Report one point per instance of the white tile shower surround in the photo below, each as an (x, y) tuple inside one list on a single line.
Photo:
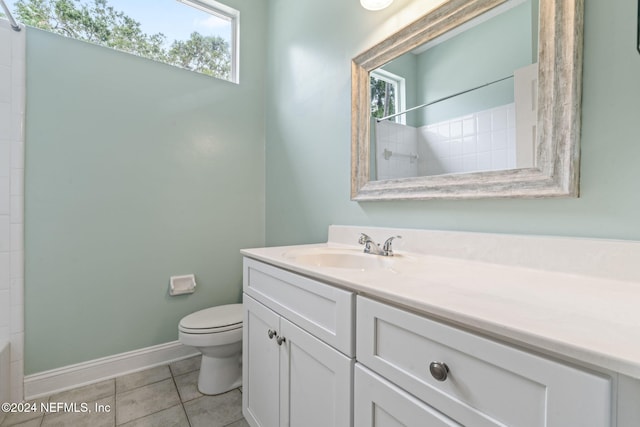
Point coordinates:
[(166, 395), (396, 150), (12, 103), (481, 141)]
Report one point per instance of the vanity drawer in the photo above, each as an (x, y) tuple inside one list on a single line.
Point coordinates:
[(488, 383), (320, 309), (378, 403)]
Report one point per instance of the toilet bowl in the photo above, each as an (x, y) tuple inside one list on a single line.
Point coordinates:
[(217, 333)]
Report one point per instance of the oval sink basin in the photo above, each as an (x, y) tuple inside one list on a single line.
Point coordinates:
[(339, 258)]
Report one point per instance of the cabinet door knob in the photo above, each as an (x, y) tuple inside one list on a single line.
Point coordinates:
[(271, 333), (439, 370), (280, 340)]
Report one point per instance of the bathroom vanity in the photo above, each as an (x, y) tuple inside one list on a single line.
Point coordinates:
[(455, 329)]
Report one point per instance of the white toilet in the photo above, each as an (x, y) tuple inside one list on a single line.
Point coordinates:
[(217, 333)]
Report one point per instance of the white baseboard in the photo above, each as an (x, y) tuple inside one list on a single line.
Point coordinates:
[(72, 376)]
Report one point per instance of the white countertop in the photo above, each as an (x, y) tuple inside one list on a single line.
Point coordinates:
[(583, 317)]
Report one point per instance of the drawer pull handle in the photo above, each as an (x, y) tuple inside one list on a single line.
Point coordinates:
[(439, 370), (280, 340), (271, 333)]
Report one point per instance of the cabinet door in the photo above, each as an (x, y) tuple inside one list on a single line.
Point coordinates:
[(316, 381), (378, 403), (260, 365)]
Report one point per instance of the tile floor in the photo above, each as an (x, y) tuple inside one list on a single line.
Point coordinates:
[(164, 396)]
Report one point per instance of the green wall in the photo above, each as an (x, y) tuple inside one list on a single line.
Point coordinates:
[(477, 56), (406, 66), (135, 171), (308, 131), (480, 55)]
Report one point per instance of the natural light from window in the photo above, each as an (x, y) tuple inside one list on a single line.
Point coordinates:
[(387, 95), (198, 35)]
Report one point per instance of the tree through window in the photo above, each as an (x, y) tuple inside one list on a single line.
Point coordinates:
[(387, 95), (198, 35)]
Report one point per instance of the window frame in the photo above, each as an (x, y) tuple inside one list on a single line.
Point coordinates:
[(400, 84), (227, 13)]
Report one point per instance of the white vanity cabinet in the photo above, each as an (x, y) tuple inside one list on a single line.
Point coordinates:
[(457, 329), (473, 380), (298, 350)]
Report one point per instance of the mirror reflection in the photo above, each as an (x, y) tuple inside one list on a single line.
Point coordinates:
[(463, 102)]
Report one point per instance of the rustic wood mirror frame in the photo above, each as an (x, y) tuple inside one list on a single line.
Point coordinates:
[(556, 171)]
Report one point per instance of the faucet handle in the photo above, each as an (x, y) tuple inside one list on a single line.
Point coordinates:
[(388, 251), (370, 246), (364, 239)]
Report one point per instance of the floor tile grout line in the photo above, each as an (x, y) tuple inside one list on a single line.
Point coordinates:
[(115, 403), (94, 401), (143, 385), (140, 386), (235, 421), (173, 377), (177, 391), (117, 393), (160, 410), (144, 416)]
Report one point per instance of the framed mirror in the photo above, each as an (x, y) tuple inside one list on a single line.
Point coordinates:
[(476, 99)]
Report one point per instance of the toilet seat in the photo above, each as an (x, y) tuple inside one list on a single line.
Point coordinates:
[(213, 320)]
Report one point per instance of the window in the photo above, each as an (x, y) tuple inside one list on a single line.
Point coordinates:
[(387, 95), (198, 35), (227, 20)]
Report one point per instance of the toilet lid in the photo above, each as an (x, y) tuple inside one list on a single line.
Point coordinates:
[(222, 316)]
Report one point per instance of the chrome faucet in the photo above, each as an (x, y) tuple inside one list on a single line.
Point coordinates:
[(386, 248), (371, 247)]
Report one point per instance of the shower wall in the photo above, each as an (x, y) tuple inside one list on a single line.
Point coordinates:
[(481, 141), (477, 142), (396, 150), (12, 108)]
